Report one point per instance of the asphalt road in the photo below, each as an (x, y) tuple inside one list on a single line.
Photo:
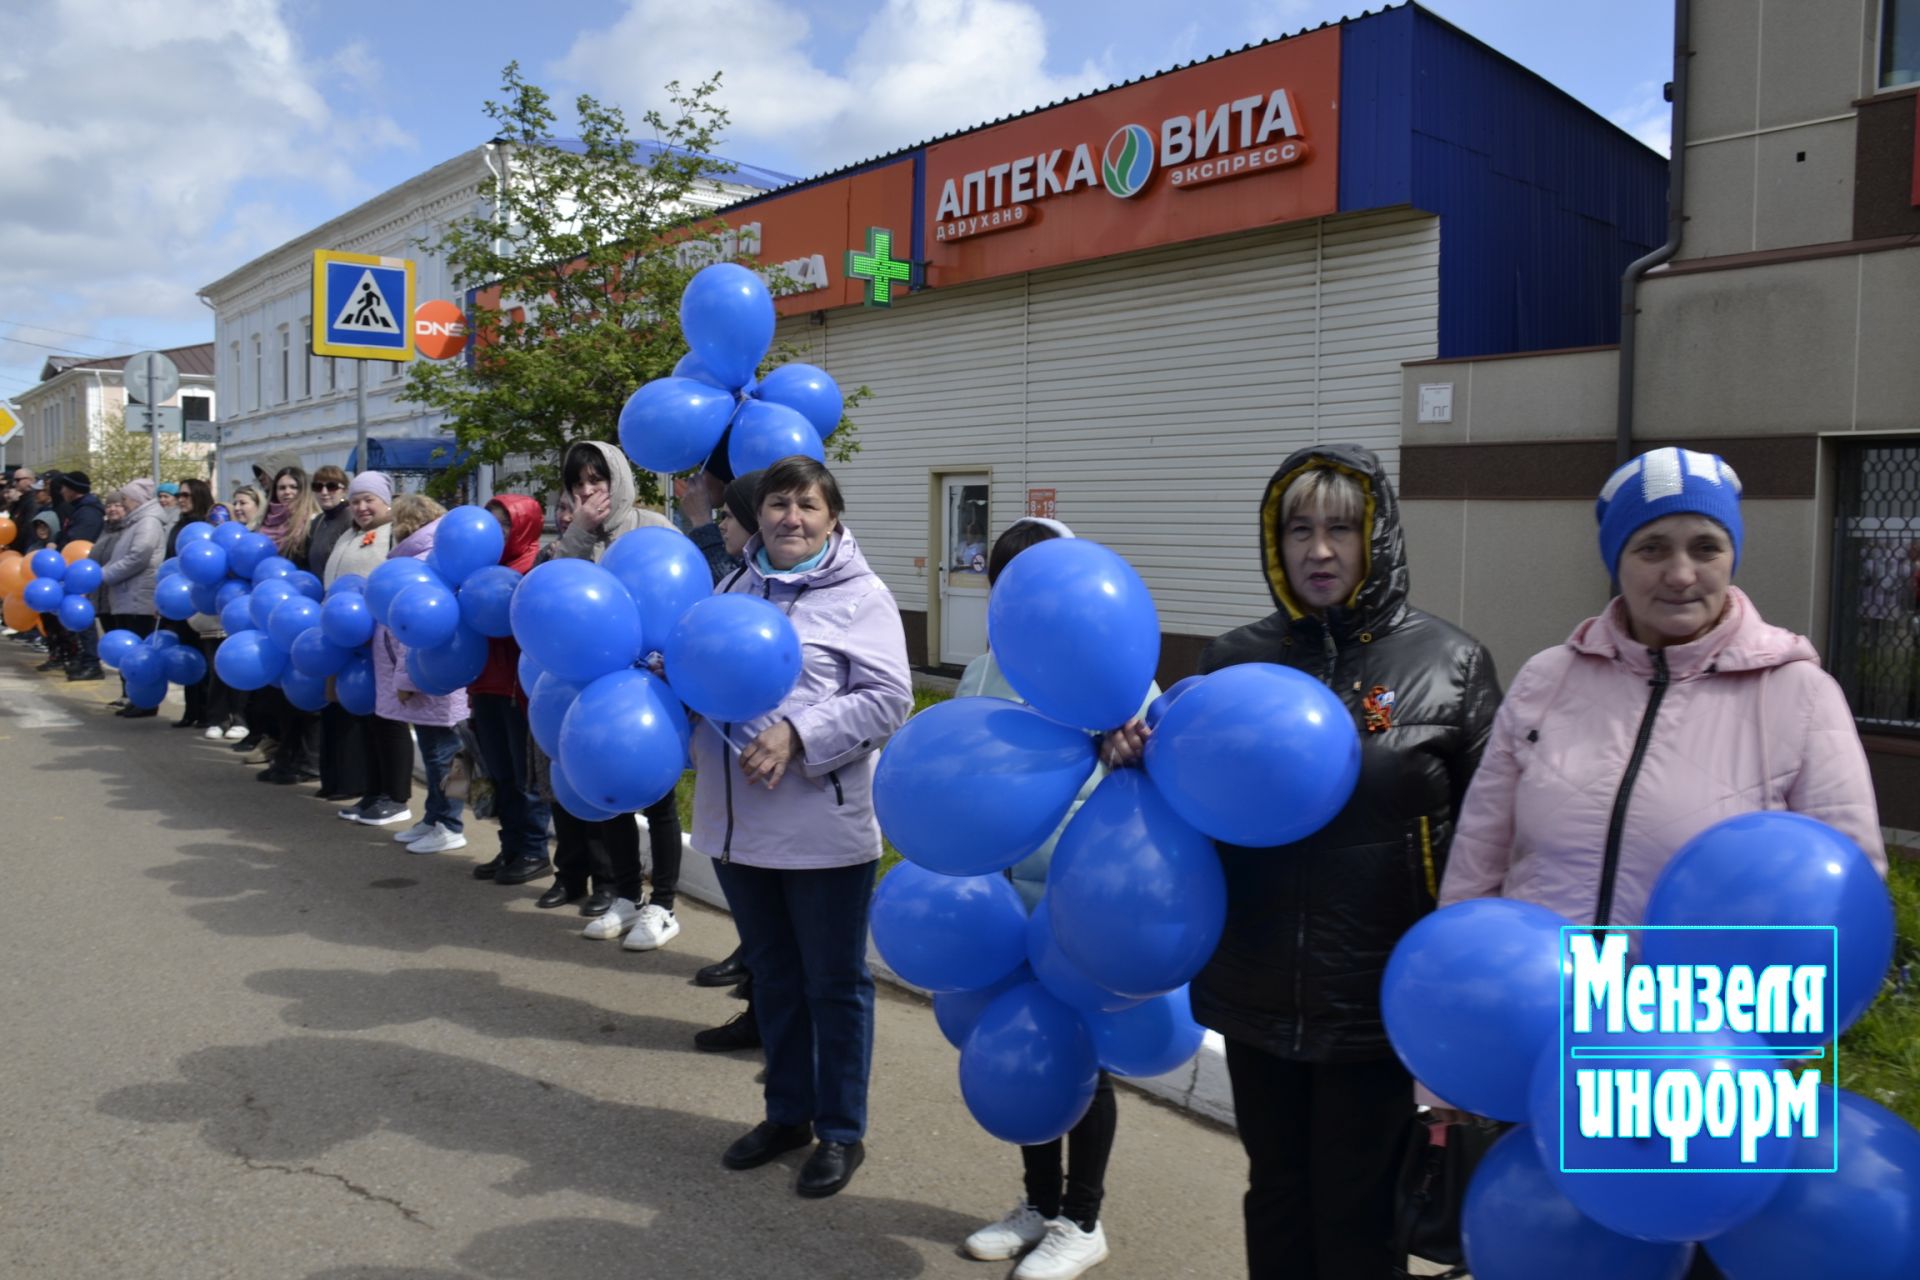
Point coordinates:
[(241, 1038)]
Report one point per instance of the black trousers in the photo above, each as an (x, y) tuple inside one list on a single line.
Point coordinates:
[(1323, 1144), (343, 760), (140, 624), (605, 854), (195, 695), (388, 747), (225, 704), (1088, 1146)]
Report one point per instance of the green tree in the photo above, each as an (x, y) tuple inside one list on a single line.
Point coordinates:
[(124, 455), (590, 250)]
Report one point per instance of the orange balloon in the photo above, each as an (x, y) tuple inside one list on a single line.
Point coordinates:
[(18, 616), (13, 577), (75, 551), (7, 530)]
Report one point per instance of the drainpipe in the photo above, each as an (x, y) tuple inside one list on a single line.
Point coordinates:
[(1676, 217)]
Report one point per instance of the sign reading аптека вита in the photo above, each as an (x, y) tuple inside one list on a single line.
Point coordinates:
[(1712, 1059)]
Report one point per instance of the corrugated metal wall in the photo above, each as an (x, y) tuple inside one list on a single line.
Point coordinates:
[(1544, 203), (1156, 393)]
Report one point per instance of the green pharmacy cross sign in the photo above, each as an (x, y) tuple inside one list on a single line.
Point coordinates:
[(879, 267)]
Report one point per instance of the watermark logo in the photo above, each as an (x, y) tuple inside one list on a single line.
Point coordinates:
[(1127, 162), (1673, 1060)]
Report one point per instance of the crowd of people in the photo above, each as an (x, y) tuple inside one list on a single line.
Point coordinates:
[(1674, 708)]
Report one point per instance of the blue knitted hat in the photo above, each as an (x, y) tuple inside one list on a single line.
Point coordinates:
[(1665, 482)]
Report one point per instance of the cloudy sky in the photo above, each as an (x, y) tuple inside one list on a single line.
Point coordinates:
[(148, 149)]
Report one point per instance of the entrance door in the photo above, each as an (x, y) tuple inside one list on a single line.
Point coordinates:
[(963, 568)]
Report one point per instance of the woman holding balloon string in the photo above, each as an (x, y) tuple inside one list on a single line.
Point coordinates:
[(289, 522), (195, 501), (784, 805), (127, 578), (1321, 1103), (361, 550)]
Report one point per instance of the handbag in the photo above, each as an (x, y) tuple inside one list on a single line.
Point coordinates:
[(1436, 1164)]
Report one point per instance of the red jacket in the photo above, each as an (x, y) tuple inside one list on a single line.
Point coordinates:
[(502, 675)]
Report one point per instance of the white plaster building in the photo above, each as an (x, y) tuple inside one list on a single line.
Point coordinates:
[(68, 411)]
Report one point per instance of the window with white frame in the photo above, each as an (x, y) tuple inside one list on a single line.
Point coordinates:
[(333, 373), (306, 357), (259, 374), (286, 365), (234, 350), (1899, 43)]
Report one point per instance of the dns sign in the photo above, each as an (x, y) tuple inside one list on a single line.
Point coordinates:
[(439, 330)]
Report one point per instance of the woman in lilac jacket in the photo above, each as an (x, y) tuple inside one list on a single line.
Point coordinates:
[(784, 804)]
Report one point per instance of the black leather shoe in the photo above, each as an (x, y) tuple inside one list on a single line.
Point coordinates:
[(136, 713), (52, 664), (766, 1141), (598, 904), (521, 870), (830, 1168), (246, 745), (283, 777), (85, 671), (559, 896), (742, 1031), (722, 973), (188, 722), (486, 870)]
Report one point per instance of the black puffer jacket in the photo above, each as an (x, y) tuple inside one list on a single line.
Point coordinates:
[(1310, 925)]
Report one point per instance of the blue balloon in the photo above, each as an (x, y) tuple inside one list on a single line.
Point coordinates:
[(346, 620), (763, 433), (144, 665), (727, 316), (732, 658), (486, 600), (237, 614), (423, 615), (83, 577), (43, 595), (1470, 998), (548, 702), (161, 639), (307, 692), (390, 579), (664, 573), (1152, 1038), (289, 619), (948, 933), (166, 569), (1158, 707), (195, 531), (808, 391), (116, 645), (248, 660), (469, 539), (1060, 976), (354, 686), (1516, 1225), (247, 551), (569, 798), (1075, 633), (1255, 755), (227, 593), (671, 424), (1774, 868), (147, 694), (956, 1012), (619, 743), (265, 598), (452, 665), (308, 585), (1657, 1204), (689, 366), (228, 536), (205, 596), (1138, 897), (928, 787), (47, 565), (274, 567), (1028, 1069), (1861, 1221), (186, 665), (528, 673), (172, 597), (353, 582), (576, 620), (203, 561), (76, 613), (312, 654)]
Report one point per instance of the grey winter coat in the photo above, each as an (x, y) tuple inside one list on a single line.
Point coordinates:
[(127, 578)]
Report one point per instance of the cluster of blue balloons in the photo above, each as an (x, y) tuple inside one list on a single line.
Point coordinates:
[(62, 589), (1473, 999), (674, 423), (619, 736), (1135, 900), (150, 665)]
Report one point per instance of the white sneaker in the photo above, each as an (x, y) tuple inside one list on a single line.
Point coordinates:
[(414, 832), (618, 919), (439, 840), (655, 928), (1013, 1235), (216, 733), (234, 734), (1065, 1253)]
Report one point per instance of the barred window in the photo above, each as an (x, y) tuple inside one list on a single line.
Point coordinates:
[(1874, 646)]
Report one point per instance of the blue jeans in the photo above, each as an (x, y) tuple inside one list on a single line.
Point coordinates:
[(438, 747), (500, 727), (803, 935)]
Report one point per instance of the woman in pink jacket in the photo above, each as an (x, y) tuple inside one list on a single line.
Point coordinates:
[(1676, 708)]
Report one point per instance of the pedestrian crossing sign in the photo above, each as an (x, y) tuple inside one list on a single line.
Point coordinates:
[(362, 306)]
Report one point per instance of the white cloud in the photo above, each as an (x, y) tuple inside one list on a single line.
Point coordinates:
[(916, 69), (1647, 116), (135, 141)]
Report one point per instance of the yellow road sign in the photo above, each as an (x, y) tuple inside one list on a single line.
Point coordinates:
[(9, 425), (362, 306)]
